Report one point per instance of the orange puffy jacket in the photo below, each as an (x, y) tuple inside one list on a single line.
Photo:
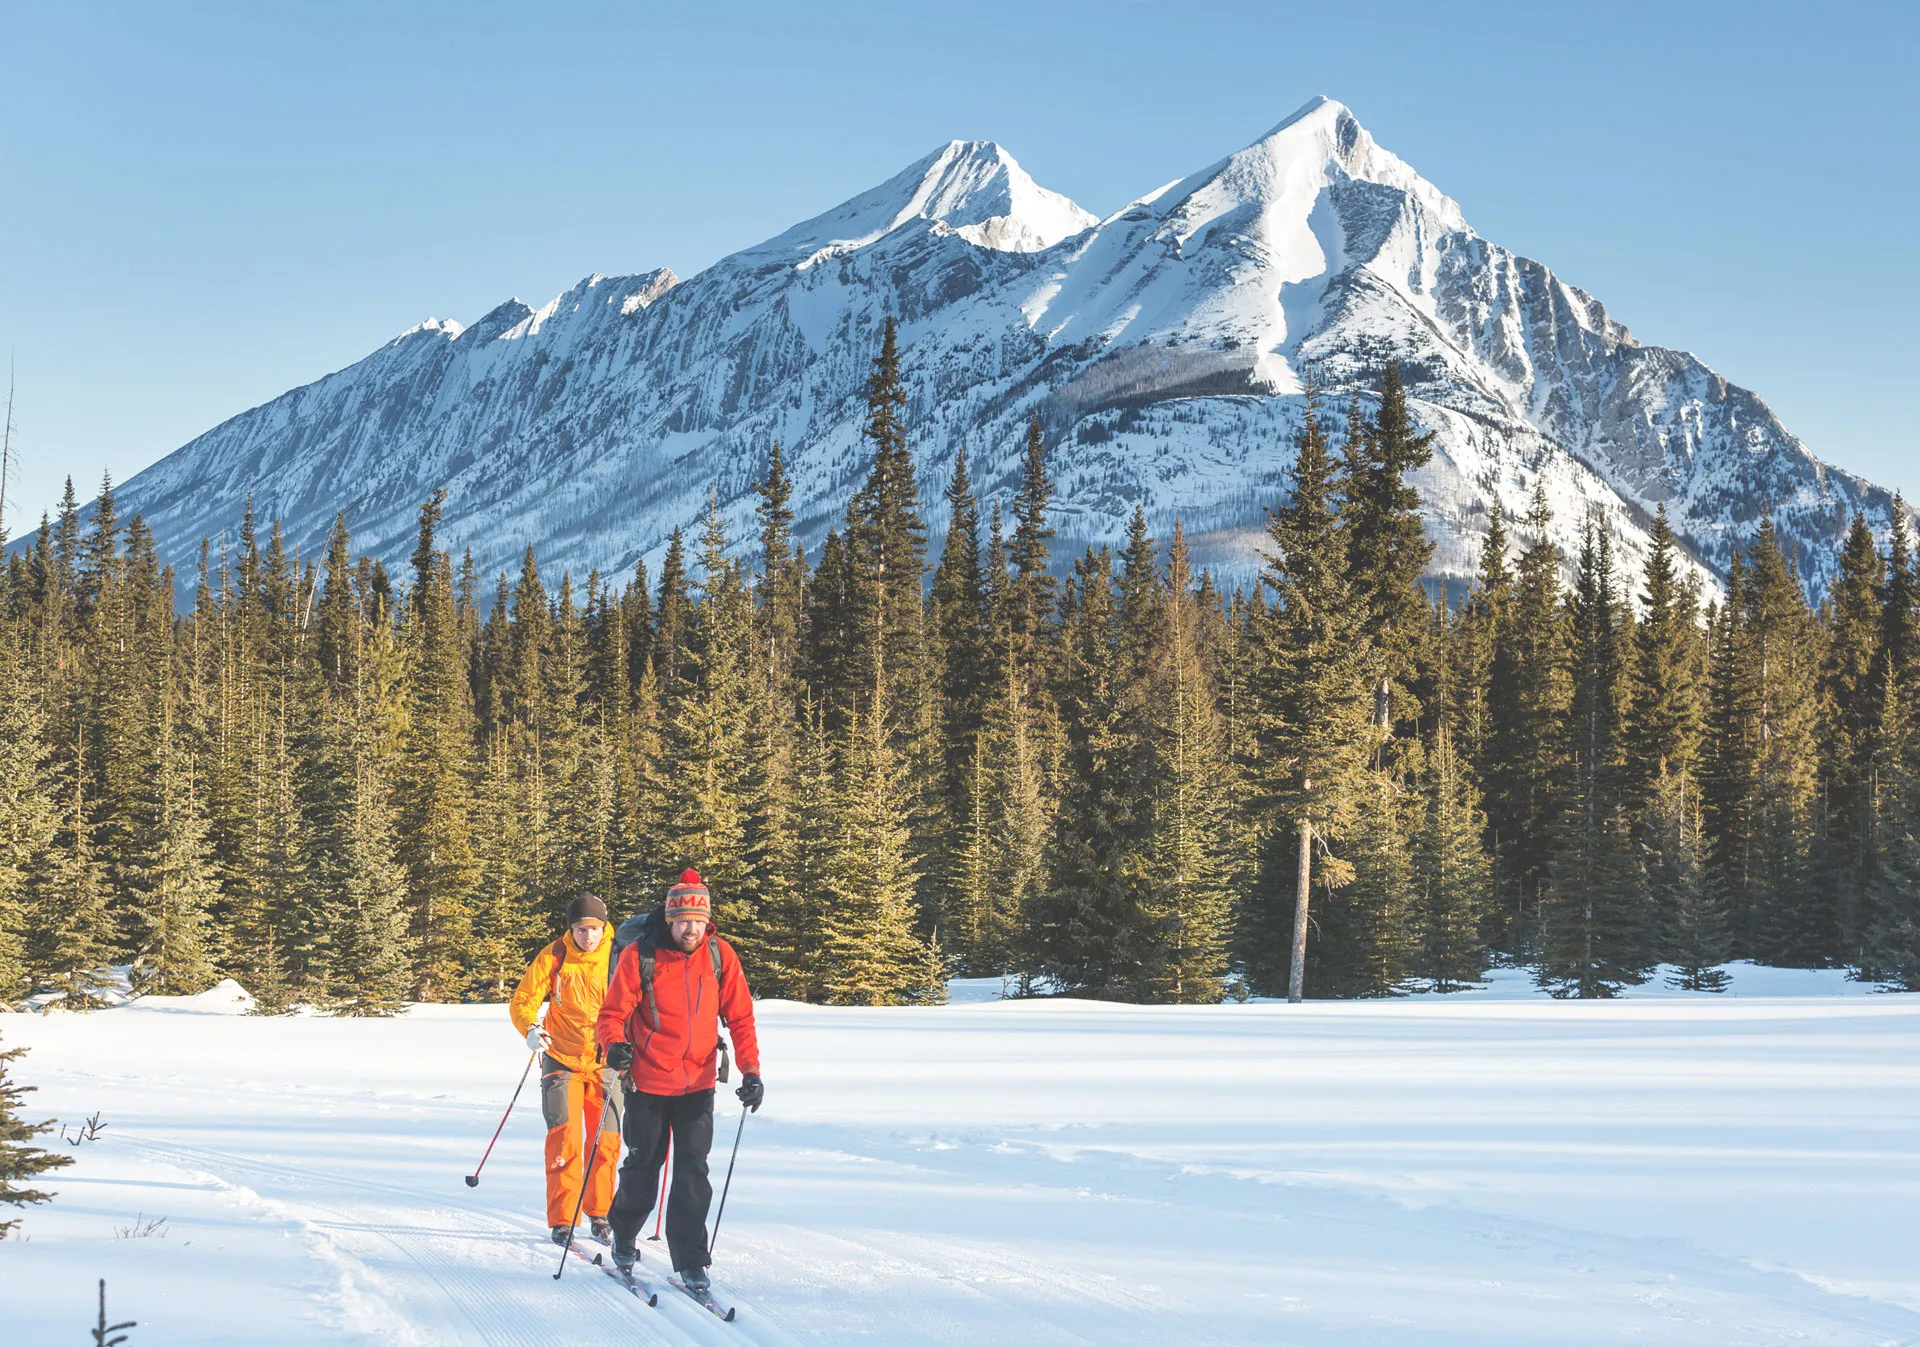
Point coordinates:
[(576, 993), (678, 1056)]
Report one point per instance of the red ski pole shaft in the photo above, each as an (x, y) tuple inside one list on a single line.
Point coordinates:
[(473, 1179)]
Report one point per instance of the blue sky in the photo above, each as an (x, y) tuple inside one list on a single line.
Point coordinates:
[(202, 206)]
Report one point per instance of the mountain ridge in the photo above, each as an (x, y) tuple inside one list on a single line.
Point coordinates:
[(1162, 345)]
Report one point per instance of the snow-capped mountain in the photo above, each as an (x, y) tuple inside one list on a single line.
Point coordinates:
[(1163, 348)]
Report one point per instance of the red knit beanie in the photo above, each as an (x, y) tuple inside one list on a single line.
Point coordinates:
[(688, 900)]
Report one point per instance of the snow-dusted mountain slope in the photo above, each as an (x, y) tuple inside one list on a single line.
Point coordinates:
[(1163, 348)]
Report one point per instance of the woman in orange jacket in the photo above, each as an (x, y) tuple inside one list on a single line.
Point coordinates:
[(577, 1093), (660, 1028)]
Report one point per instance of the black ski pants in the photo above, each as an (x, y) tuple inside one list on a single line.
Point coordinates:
[(651, 1119)]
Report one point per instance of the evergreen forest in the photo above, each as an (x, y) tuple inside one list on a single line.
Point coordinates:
[(1099, 775)]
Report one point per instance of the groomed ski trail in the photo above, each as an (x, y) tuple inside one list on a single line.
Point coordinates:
[(425, 1272)]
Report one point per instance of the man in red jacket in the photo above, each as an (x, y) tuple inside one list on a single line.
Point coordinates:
[(659, 1027)]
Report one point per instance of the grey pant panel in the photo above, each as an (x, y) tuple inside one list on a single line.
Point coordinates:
[(554, 1077)]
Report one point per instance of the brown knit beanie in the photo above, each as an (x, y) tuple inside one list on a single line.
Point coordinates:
[(586, 908)]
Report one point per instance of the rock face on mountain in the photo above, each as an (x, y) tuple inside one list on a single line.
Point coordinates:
[(1163, 348)]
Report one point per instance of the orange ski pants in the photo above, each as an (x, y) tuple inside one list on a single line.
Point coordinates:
[(575, 1104)]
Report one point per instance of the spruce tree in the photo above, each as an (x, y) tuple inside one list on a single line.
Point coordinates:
[(434, 782), (1020, 749), (1387, 546), (1190, 901), (1481, 631), (68, 947), (28, 807), (872, 954), (1527, 763), (178, 888), (957, 621), (1889, 922), (1593, 936), (1791, 919), (374, 968), (1314, 691), (1695, 939), (19, 1159), (1453, 880), (1030, 595), (1094, 934), (886, 552), (1849, 711), (707, 731), (1664, 722)]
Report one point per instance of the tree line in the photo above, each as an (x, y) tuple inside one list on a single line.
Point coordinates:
[(351, 789)]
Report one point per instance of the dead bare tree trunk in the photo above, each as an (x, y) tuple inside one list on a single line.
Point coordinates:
[(1297, 975)]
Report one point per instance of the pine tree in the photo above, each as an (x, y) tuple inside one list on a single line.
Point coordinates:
[(1527, 766), (1453, 879), (374, 968), (1790, 919), (1367, 927), (1481, 631), (1889, 922), (1315, 708), (1030, 595), (178, 887), (1695, 938), (706, 740), (1849, 711), (28, 807), (1019, 776), (957, 619), (1190, 902), (19, 1160), (434, 785), (872, 955), (886, 553), (1386, 542), (1094, 935), (67, 921), (1664, 722), (1593, 929)]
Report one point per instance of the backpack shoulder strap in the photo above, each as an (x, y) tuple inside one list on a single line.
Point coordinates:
[(713, 948), (559, 948), (645, 953)]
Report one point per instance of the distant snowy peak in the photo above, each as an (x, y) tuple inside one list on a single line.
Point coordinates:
[(973, 187), (1162, 348)]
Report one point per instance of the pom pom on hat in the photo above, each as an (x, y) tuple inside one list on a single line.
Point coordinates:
[(688, 900)]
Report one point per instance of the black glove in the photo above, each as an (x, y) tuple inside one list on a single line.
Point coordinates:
[(751, 1091), (619, 1056)]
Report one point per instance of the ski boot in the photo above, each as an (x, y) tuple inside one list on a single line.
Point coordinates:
[(695, 1279), (601, 1230), (561, 1233), (624, 1257)]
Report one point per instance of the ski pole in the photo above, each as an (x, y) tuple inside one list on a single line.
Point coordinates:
[(729, 1183), (473, 1179), (593, 1153), (660, 1207)]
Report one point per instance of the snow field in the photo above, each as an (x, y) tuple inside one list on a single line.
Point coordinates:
[(1470, 1169)]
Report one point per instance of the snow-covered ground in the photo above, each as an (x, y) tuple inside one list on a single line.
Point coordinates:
[(1488, 1168)]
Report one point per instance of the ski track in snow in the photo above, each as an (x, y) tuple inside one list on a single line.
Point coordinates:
[(1041, 1173)]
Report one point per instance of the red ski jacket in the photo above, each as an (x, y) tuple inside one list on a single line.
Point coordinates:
[(678, 1056)]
